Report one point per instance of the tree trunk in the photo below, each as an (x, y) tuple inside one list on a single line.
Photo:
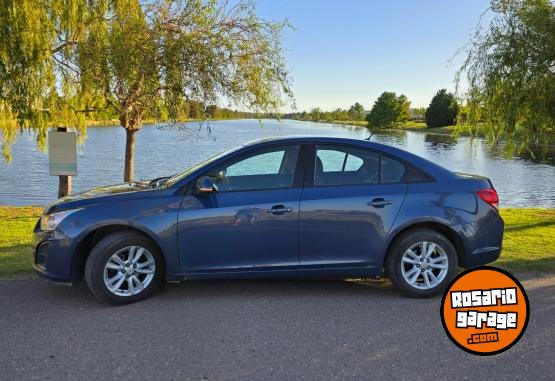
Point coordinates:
[(129, 154), (130, 119), (64, 182)]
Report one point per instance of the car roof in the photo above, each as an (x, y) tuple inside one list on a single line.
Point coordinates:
[(428, 166)]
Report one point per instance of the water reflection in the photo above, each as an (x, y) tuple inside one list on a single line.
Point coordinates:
[(440, 142), (520, 181), (537, 155)]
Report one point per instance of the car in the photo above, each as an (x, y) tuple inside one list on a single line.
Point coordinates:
[(307, 206)]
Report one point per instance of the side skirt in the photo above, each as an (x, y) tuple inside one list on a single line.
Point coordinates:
[(344, 272)]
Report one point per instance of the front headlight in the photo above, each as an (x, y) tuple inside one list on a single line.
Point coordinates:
[(48, 222)]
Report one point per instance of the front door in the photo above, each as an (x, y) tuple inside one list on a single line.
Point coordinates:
[(251, 221), (349, 206)]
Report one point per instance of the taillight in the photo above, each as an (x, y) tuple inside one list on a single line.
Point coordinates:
[(490, 196)]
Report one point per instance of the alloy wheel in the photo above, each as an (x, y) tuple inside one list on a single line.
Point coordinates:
[(424, 265), (129, 271)]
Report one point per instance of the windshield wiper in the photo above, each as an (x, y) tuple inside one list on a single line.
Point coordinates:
[(157, 182)]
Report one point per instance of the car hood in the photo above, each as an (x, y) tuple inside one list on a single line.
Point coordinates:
[(92, 196)]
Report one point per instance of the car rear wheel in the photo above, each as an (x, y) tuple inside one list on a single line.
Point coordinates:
[(421, 262), (123, 267)]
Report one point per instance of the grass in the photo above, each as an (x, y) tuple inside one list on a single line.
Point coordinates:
[(361, 123), (421, 126), (529, 241), (528, 245), (16, 226), (410, 125)]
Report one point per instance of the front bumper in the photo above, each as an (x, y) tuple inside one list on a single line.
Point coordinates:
[(52, 255)]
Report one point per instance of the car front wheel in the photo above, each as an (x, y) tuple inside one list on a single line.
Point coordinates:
[(123, 267), (421, 262)]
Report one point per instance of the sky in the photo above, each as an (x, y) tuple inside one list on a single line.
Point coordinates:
[(347, 51)]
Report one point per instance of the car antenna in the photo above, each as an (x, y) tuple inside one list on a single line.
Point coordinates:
[(370, 137)]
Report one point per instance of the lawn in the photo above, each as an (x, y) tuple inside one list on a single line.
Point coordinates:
[(16, 226), (529, 243)]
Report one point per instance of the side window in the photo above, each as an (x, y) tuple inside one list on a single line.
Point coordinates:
[(332, 161), (353, 163), (339, 165), (265, 169), (263, 164), (393, 171)]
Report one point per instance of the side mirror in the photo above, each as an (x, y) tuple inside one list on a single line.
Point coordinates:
[(205, 185)]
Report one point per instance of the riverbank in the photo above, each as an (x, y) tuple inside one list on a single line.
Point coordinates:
[(407, 126), (528, 245), (422, 127), (116, 122)]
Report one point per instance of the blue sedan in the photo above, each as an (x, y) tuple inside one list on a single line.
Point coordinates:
[(283, 207)]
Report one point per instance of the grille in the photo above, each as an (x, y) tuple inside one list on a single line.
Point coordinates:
[(41, 254)]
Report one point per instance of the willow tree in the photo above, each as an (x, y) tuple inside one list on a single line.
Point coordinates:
[(150, 59), (35, 91), (143, 59), (511, 73)]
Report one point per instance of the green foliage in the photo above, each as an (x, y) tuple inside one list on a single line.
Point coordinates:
[(35, 93), (511, 73), (8, 126), (442, 110), (62, 61), (418, 113), (315, 114), (389, 110), (356, 112), (404, 108)]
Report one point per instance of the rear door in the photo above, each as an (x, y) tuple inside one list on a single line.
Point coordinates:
[(351, 198)]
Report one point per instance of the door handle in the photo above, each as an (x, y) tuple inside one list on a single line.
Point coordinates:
[(279, 209), (379, 202)]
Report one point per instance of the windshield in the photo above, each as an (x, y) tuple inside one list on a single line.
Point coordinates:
[(176, 178)]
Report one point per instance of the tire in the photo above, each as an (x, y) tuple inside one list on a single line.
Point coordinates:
[(103, 268), (402, 266)]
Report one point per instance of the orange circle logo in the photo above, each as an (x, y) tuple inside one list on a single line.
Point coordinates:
[(485, 310)]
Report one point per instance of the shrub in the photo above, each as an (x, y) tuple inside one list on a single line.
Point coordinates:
[(442, 110), (388, 110)]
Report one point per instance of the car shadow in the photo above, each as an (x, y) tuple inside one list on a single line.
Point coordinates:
[(280, 287), (211, 289)]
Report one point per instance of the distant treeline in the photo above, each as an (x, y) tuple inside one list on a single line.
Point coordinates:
[(354, 113), (391, 110), (196, 110), (188, 110)]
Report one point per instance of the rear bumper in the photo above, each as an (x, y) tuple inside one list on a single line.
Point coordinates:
[(482, 256), (482, 240)]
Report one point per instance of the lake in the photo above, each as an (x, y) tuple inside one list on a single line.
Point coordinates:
[(164, 150)]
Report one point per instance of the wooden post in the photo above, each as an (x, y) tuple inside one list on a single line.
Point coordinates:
[(64, 182)]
